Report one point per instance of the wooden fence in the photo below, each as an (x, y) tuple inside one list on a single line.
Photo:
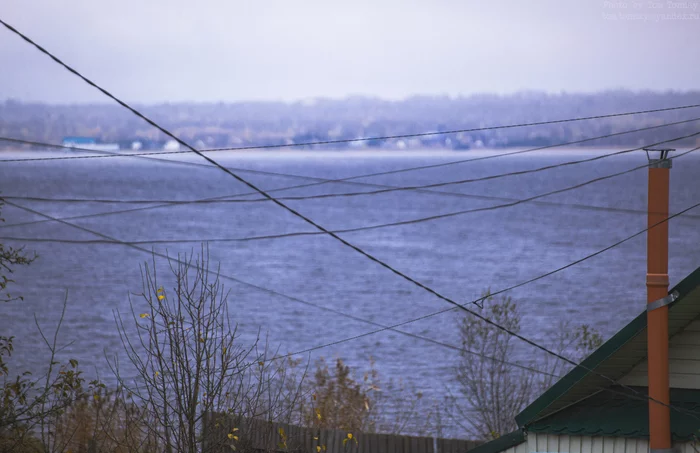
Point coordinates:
[(261, 436)]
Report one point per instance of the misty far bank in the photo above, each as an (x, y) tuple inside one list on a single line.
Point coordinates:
[(212, 125)]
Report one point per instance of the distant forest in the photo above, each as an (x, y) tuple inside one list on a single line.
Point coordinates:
[(209, 125)]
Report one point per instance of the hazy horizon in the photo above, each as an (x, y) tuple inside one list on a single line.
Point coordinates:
[(375, 98), (213, 51)]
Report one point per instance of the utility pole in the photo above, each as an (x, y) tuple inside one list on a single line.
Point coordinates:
[(657, 301)]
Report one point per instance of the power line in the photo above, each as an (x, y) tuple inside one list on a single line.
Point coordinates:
[(311, 222), (341, 231), (640, 396), (166, 203), (240, 179), (377, 173), (395, 326), (344, 314), (221, 199), (112, 240), (382, 328), (472, 180), (244, 181), (321, 181), (225, 199), (539, 277), (304, 302)]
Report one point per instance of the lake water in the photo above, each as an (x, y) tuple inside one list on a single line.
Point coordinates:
[(459, 256)]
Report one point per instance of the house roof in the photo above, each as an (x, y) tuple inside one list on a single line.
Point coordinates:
[(576, 405), (614, 358), (618, 415)]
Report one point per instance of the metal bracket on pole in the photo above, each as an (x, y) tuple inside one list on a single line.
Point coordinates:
[(663, 161), (663, 302)]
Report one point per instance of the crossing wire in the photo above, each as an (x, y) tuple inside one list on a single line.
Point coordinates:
[(299, 300), (394, 327), (322, 181), (518, 285), (311, 222), (483, 178), (225, 199), (222, 198), (341, 231), (357, 318), (476, 301)]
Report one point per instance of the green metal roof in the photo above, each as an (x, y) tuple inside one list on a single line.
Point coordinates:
[(608, 414), (614, 358)]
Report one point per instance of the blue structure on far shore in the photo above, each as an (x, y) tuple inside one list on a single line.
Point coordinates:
[(89, 143), (78, 141)]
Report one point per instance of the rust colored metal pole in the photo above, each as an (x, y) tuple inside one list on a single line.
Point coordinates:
[(657, 319)]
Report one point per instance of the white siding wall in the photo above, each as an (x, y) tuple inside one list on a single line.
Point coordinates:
[(521, 448), (684, 361), (551, 443)]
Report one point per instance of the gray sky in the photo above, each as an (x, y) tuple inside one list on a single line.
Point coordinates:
[(231, 50)]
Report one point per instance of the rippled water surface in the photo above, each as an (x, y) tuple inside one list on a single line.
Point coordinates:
[(460, 256)]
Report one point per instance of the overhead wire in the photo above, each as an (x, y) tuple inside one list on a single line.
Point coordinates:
[(357, 318), (166, 203), (512, 203), (384, 188), (241, 179), (402, 170), (394, 327), (477, 301), (298, 300), (345, 230), (316, 225), (526, 282), (483, 178)]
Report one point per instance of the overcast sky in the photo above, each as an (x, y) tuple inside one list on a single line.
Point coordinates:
[(231, 50)]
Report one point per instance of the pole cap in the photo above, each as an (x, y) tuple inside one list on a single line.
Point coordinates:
[(663, 161)]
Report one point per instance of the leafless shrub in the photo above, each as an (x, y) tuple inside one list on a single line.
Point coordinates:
[(494, 390), (191, 364)]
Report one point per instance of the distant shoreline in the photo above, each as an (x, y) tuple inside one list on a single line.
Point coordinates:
[(328, 153), (481, 123)]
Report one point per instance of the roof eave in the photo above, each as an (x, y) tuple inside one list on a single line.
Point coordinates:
[(529, 414), (607, 349)]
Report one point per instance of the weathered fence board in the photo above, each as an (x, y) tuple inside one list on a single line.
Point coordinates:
[(263, 437)]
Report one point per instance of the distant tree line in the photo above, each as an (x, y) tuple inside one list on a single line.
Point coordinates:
[(274, 123)]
